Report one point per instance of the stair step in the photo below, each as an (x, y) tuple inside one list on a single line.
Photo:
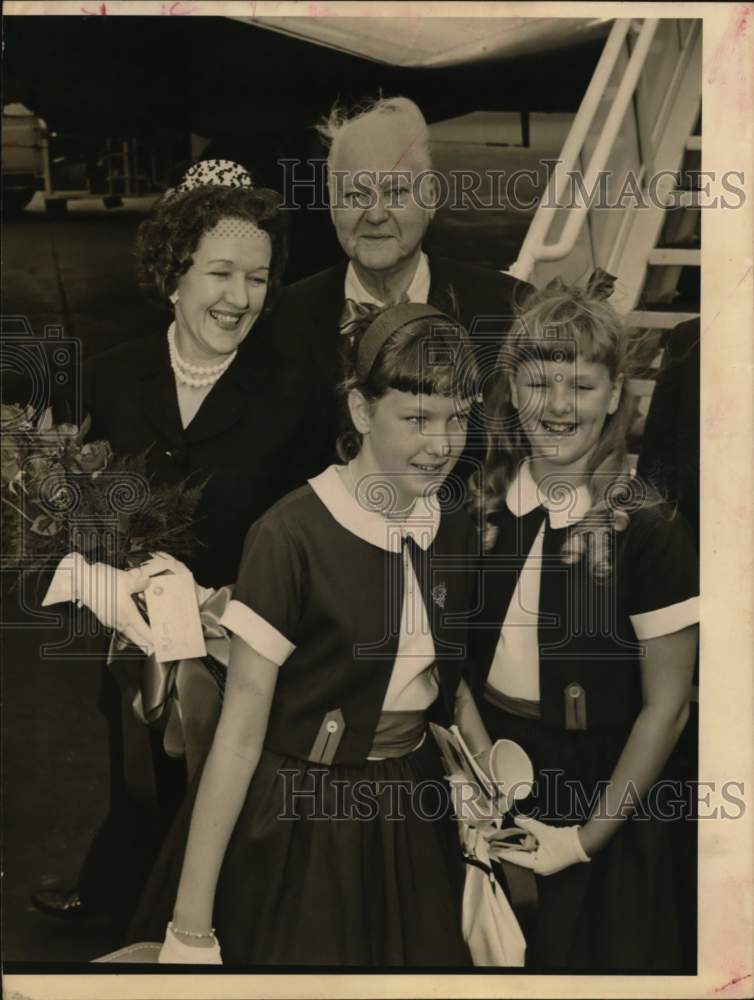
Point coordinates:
[(691, 242), (694, 142), (675, 256), (656, 319)]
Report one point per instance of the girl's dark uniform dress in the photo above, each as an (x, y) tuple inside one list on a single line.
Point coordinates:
[(344, 852), (557, 669)]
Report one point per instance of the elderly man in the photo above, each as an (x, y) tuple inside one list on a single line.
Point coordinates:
[(382, 200)]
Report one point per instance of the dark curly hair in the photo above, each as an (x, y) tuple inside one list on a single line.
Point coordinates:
[(166, 242)]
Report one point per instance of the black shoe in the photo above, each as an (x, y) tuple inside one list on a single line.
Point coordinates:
[(67, 905)]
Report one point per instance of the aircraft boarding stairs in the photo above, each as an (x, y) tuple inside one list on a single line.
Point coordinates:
[(636, 145)]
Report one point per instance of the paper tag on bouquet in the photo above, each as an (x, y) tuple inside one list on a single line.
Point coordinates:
[(174, 617)]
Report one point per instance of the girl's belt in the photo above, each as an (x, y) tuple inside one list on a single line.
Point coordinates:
[(521, 707), (397, 734)]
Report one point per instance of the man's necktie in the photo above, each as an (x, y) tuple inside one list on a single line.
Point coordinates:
[(354, 314)]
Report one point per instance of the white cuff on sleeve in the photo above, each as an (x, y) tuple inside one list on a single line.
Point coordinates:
[(665, 621), (66, 583), (257, 632)]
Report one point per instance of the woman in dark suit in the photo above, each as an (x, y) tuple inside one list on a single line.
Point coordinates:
[(210, 401)]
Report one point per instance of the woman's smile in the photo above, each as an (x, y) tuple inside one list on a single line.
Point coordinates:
[(559, 428), (226, 318), (221, 296), (431, 468)]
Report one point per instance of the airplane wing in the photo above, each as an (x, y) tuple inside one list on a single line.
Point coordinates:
[(433, 42)]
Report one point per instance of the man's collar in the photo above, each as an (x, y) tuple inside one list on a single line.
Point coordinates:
[(564, 504), (370, 526), (417, 291)]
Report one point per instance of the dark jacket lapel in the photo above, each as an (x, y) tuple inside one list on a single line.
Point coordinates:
[(230, 397), (499, 571), (304, 323), (159, 401), (223, 407), (441, 290), (334, 297), (329, 307)]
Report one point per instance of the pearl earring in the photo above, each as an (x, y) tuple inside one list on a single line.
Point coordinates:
[(174, 297)]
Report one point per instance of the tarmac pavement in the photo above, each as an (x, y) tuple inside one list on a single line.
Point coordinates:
[(75, 274)]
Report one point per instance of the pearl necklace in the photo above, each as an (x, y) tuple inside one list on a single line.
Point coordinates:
[(196, 376)]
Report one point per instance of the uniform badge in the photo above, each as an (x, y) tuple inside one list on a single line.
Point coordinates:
[(439, 595)]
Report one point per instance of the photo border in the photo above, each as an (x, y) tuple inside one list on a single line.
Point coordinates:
[(726, 868)]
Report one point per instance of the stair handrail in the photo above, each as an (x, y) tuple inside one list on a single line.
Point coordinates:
[(534, 247)]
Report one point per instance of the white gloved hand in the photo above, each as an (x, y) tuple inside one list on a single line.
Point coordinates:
[(558, 847), (162, 562), (106, 591), (175, 952)]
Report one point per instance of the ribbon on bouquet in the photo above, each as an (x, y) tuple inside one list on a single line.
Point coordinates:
[(485, 846), (495, 915), (490, 926), (495, 922), (185, 694)]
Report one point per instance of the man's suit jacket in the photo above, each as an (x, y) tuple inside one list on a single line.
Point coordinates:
[(669, 457), (257, 435), (306, 318)]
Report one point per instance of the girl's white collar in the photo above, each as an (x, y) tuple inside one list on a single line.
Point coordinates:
[(564, 503), (369, 525)]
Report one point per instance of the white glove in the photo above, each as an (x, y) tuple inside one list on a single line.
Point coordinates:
[(162, 562), (106, 591), (558, 847), (175, 952)]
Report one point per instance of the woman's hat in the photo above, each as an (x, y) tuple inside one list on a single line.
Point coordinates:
[(218, 173)]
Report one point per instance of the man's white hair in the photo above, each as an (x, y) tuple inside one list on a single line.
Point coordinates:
[(331, 127)]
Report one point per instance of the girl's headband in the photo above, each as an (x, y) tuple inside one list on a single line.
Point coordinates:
[(384, 326)]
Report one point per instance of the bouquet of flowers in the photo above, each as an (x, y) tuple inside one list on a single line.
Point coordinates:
[(63, 494), (103, 526)]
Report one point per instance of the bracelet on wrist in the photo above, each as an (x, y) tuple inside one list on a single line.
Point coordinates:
[(203, 936)]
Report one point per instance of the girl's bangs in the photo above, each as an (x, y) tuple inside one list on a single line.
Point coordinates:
[(446, 382), (442, 365), (563, 338)]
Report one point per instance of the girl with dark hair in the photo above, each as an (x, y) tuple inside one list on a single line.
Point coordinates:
[(584, 648), (320, 834)]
